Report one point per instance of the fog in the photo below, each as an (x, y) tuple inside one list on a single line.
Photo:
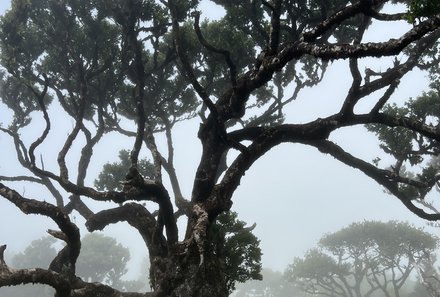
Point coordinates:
[(294, 194)]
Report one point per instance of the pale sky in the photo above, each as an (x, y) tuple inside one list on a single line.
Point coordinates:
[(294, 193)]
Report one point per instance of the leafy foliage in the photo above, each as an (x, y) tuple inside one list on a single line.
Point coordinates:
[(422, 9), (138, 67), (102, 259), (363, 258), (113, 173), (410, 149), (239, 247), (39, 253)]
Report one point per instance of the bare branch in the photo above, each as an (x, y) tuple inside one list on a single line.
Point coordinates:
[(188, 71), (21, 178), (40, 99), (20, 148), (226, 54)]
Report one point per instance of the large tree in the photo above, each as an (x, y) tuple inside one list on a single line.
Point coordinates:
[(138, 67)]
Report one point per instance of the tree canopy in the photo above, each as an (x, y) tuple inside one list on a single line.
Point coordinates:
[(364, 259), (135, 69)]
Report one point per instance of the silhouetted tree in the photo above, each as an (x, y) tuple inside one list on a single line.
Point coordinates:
[(136, 68)]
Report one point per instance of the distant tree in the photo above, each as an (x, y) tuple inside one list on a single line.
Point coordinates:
[(136, 68), (39, 253), (272, 284), (363, 259), (428, 279), (102, 259)]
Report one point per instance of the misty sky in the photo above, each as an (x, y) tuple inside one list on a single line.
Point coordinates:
[(294, 193)]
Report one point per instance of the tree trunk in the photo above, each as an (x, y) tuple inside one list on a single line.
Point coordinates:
[(188, 274)]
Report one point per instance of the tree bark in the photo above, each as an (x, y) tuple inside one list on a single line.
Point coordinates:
[(189, 274)]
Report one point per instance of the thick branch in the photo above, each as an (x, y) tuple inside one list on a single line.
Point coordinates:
[(12, 277), (30, 206), (264, 139), (339, 17), (166, 217), (64, 286), (386, 178), (398, 121), (138, 217)]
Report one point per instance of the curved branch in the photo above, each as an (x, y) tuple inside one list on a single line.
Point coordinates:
[(398, 121), (344, 51), (138, 217), (226, 54), (63, 285), (135, 182), (15, 277), (61, 159), (21, 178), (201, 91), (168, 164), (263, 139), (386, 178), (87, 150), (138, 95), (339, 17), (20, 148), (40, 99), (386, 17), (352, 96), (31, 206)]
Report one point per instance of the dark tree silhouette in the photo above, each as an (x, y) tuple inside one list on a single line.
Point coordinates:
[(138, 67)]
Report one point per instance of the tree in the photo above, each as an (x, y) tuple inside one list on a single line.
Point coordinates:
[(273, 284), (231, 239), (102, 259), (363, 259), (137, 68), (38, 254)]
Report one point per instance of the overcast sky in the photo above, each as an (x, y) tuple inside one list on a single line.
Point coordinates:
[(294, 193)]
